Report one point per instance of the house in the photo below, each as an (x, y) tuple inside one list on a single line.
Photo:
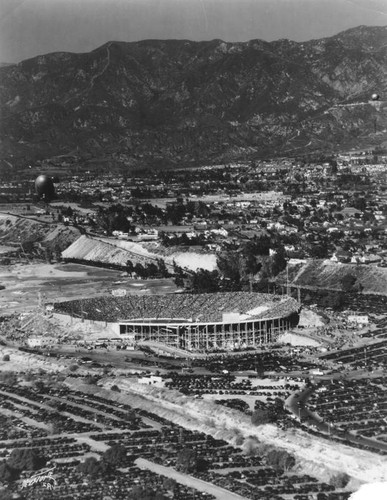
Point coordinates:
[(341, 256), (371, 258), (151, 380)]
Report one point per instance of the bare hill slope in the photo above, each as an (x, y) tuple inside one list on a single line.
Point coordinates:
[(15, 230), (325, 274)]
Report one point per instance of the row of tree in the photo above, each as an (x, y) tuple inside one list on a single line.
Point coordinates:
[(157, 269)]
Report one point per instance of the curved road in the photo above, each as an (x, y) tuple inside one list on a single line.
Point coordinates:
[(296, 405)]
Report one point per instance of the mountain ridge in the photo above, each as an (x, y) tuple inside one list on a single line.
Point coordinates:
[(179, 101)]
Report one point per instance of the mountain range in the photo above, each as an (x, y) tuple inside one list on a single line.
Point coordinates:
[(179, 102)]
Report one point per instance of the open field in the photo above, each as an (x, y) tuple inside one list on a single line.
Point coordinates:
[(267, 196), (24, 282)]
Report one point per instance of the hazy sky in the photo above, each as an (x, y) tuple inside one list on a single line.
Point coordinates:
[(32, 27)]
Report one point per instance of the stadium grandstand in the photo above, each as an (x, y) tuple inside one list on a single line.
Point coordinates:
[(194, 322)]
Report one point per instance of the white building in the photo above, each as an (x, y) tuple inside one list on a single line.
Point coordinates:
[(41, 341)]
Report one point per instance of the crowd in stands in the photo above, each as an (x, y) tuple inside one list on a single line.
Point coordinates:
[(207, 307)]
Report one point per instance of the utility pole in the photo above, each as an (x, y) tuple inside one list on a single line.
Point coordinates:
[(287, 276)]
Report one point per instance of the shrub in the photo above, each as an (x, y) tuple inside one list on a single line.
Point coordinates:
[(340, 480), (92, 380), (6, 357), (8, 378)]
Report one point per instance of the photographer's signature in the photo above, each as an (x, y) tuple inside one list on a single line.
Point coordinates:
[(44, 478)]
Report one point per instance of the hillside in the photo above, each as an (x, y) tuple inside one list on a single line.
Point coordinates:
[(329, 274), (160, 103), (117, 252), (15, 230), (95, 251)]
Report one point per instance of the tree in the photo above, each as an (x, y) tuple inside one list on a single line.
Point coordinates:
[(40, 386), (278, 261), (57, 253), (115, 455), (186, 460), (120, 223), (259, 366), (228, 265), (152, 270), (8, 378), (7, 474), (139, 270), (335, 300), (5, 494), (203, 281), (348, 282), (115, 388), (145, 493), (251, 251), (6, 357), (321, 250), (260, 416), (54, 427), (280, 460), (169, 484), (93, 467), (129, 267), (131, 416), (25, 459), (163, 271), (92, 380)]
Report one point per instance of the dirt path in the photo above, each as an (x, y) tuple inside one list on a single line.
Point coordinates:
[(193, 482), (325, 457)]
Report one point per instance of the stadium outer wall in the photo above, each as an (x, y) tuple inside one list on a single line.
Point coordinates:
[(194, 336)]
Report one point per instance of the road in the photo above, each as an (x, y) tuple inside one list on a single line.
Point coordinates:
[(193, 482), (296, 404)]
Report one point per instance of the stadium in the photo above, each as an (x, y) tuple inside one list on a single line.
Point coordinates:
[(192, 322)]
